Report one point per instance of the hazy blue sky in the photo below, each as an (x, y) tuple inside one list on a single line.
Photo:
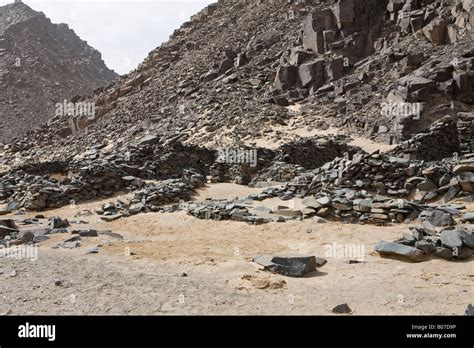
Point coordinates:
[(124, 31)]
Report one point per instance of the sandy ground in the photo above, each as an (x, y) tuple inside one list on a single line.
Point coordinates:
[(285, 135), (277, 135), (177, 264)]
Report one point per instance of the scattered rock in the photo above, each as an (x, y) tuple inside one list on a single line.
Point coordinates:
[(406, 252), (342, 309), (292, 266), (92, 250)]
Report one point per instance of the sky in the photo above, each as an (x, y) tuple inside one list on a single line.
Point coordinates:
[(124, 31)]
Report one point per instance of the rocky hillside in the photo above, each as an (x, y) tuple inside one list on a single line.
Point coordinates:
[(354, 112), (41, 64), (239, 69), (240, 72), (232, 97)]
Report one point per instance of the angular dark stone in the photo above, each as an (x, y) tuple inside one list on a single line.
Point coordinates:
[(57, 222), (426, 247), (467, 237), (388, 248), (342, 309), (444, 253), (110, 218), (451, 239), (462, 254), (292, 266), (148, 140), (427, 186), (287, 78), (437, 218), (469, 310)]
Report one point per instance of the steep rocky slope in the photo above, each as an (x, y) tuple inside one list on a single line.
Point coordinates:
[(228, 75), (268, 94), (41, 64), (240, 71)]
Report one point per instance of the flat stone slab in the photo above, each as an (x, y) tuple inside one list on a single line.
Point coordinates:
[(462, 168), (263, 209), (291, 265), (70, 245), (86, 233), (288, 212), (403, 251), (110, 218), (451, 239), (311, 202), (92, 250), (110, 234)]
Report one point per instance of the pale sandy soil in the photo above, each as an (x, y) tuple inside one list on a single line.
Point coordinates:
[(221, 279), (286, 134)]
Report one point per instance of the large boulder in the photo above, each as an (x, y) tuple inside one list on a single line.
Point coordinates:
[(435, 31), (451, 239), (315, 24), (335, 69), (344, 12), (287, 78), (399, 250), (437, 218), (464, 86), (312, 74)]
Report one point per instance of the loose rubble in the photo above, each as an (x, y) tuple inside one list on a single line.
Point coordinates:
[(271, 71), (452, 243)]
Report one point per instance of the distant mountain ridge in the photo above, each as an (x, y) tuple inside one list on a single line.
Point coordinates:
[(41, 64)]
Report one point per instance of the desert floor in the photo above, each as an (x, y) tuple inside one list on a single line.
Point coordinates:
[(172, 263)]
